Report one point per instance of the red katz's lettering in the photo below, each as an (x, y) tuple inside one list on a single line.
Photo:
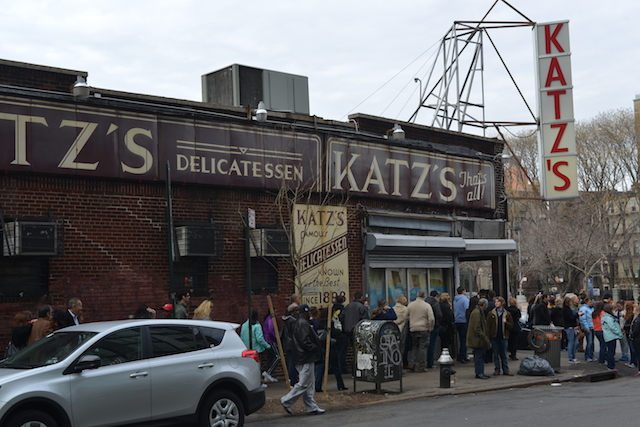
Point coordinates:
[(551, 38), (556, 100), (555, 73), (556, 144), (555, 169)]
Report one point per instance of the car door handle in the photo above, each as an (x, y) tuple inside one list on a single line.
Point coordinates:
[(206, 365), (138, 374)]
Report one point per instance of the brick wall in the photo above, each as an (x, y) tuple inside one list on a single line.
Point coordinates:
[(115, 244)]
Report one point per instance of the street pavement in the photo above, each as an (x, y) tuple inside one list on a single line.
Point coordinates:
[(427, 384)]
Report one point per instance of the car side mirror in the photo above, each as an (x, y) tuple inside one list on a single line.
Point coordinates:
[(88, 361)]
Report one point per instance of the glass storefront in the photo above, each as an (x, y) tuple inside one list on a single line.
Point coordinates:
[(390, 283)]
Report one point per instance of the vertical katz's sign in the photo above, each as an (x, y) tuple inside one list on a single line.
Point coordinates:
[(322, 255), (556, 135)]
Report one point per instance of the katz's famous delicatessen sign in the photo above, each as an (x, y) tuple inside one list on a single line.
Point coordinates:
[(321, 253)]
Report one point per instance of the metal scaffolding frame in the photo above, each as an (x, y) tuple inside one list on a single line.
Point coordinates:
[(452, 96)]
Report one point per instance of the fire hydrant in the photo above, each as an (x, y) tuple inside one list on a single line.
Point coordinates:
[(446, 368)]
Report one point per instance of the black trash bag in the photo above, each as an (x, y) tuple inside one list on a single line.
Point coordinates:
[(535, 366)]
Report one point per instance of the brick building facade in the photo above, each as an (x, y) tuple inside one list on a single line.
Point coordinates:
[(111, 227)]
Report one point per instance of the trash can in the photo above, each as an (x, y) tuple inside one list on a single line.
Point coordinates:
[(377, 355), (546, 342)]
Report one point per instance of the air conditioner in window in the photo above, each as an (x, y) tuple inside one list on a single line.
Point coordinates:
[(30, 238), (205, 241), (267, 242)]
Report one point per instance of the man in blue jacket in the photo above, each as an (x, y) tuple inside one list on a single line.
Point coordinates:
[(460, 306)]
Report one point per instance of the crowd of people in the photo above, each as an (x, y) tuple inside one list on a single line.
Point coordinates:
[(26, 330), (585, 320), (485, 323)]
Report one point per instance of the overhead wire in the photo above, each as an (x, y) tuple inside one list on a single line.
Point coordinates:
[(389, 81)]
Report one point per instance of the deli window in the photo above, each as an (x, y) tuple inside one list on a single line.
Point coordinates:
[(390, 283)]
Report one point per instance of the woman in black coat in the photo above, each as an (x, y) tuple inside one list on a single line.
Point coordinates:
[(570, 320), (515, 330), (447, 326)]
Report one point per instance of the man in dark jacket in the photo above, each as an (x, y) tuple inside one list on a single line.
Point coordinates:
[(540, 312), (477, 337), (305, 351), (73, 313), (286, 337), (353, 313)]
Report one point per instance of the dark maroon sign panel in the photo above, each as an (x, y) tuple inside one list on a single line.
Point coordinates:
[(381, 171), (60, 139), (67, 139)]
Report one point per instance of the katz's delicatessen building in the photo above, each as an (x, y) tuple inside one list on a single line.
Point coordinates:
[(98, 186)]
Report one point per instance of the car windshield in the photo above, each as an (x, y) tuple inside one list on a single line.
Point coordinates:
[(47, 351)]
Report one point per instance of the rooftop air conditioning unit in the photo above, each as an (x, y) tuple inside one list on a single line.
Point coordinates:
[(267, 242), (203, 241), (30, 238)]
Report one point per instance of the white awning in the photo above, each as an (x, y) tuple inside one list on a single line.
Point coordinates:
[(467, 247), (475, 247), (378, 241)]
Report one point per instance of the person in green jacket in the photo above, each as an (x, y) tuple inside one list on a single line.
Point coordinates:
[(612, 333), (258, 342), (477, 337)]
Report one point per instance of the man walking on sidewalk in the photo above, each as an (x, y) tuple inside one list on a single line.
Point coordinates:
[(306, 351)]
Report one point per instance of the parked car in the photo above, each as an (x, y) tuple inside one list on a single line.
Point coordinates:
[(132, 372)]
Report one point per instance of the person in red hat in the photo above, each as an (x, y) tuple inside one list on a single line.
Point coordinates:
[(166, 311)]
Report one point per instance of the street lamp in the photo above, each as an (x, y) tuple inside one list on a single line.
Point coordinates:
[(420, 94)]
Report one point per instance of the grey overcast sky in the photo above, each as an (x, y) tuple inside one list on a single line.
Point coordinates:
[(360, 56)]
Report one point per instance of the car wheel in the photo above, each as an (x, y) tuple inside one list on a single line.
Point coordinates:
[(32, 419), (222, 409)]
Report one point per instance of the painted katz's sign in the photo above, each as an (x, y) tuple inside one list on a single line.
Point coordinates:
[(59, 138), (321, 253), (78, 139), (556, 136), (397, 173)]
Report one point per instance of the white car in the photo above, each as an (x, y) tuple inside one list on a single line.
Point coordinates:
[(132, 372)]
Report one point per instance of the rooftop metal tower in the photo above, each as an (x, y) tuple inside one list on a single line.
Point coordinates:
[(454, 88)]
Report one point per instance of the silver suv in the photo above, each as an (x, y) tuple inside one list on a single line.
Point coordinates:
[(132, 372)]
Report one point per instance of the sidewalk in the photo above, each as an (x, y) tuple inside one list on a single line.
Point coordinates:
[(427, 384)]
